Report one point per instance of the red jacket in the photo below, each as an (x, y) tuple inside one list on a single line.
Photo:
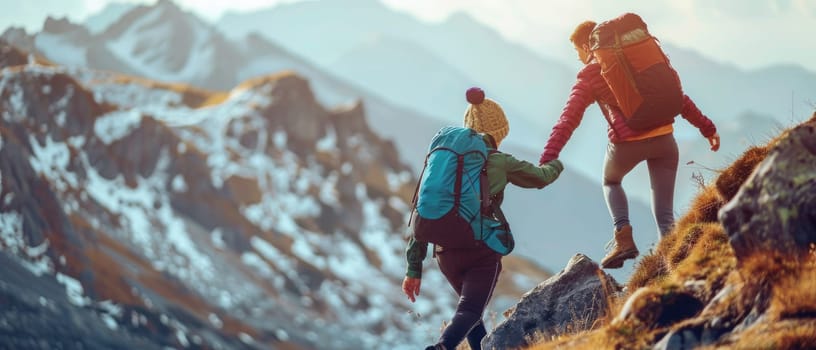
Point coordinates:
[(590, 87)]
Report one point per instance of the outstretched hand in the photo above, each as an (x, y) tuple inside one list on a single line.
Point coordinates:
[(714, 141), (545, 157), (410, 286)]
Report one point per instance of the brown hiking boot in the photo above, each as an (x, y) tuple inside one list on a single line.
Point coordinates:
[(623, 249)]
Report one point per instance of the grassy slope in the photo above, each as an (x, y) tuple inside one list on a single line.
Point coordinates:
[(673, 287)]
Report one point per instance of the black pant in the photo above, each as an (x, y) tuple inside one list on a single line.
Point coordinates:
[(473, 274)]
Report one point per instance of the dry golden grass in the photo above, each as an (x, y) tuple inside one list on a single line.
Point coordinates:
[(785, 334), (260, 80), (692, 251), (710, 258), (730, 180), (650, 268), (704, 207), (791, 280), (786, 285), (696, 259)]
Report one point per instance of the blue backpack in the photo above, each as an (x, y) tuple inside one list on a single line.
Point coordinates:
[(452, 206)]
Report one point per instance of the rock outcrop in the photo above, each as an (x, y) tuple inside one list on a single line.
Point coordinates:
[(11, 56), (570, 301), (776, 208)]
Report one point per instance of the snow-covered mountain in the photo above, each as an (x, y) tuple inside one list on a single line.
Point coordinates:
[(157, 42), (160, 216), (548, 233)]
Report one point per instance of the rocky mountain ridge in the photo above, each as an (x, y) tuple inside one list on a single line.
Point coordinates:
[(161, 215), (142, 26)]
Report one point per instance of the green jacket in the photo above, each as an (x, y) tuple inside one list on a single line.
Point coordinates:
[(502, 168)]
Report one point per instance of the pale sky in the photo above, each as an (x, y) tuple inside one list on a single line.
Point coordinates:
[(748, 33)]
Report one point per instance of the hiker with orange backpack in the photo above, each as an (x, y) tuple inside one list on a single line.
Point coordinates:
[(457, 207), (639, 94)]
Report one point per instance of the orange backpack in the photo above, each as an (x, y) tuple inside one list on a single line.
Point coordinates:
[(637, 71)]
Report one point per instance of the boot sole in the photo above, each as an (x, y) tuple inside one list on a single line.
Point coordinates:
[(617, 261)]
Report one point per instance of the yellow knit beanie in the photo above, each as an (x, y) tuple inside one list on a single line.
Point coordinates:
[(485, 115)]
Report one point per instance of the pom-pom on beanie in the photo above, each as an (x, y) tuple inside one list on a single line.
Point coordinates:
[(485, 115)]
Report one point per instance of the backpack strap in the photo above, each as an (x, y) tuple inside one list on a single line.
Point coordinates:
[(484, 184), (460, 170), (497, 210), (457, 187), (416, 190)]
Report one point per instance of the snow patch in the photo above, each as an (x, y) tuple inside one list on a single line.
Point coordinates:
[(217, 238), (279, 139), (182, 338), (76, 141), (215, 321), (397, 180), (328, 190), (284, 263), (11, 232), (73, 289), (346, 168), (398, 204), (329, 142), (304, 251), (136, 95), (16, 103), (253, 260), (377, 235), (111, 308), (52, 160), (281, 334), (110, 322), (348, 260), (179, 185), (116, 125), (246, 338), (150, 223)]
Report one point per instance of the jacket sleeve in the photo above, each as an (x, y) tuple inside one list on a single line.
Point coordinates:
[(581, 96), (693, 114), (415, 254), (525, 174)]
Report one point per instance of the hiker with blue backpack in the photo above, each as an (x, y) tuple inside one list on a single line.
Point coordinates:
[(639, 94), (457, 208)]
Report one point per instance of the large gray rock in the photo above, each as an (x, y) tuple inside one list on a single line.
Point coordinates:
[(776, 208), (570, 301)]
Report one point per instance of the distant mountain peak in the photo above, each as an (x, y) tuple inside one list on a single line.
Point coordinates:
[(463, 18), (165, 12), (168, 4), (61, 26), (110, 14)]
